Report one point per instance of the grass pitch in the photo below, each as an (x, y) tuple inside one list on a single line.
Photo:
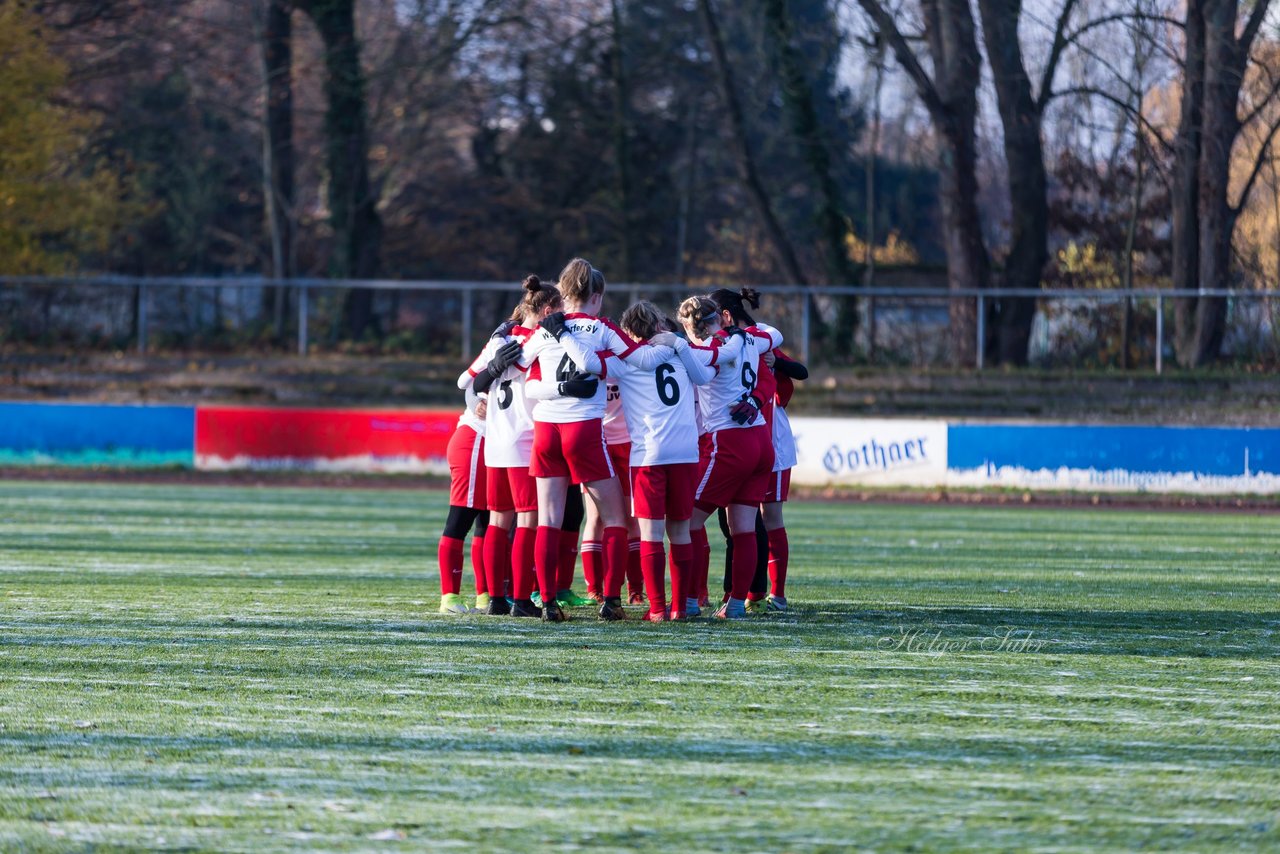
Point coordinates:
[(240, 669)]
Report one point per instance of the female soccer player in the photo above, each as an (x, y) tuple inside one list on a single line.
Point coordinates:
[(512, 493), (737, 448), (467, 507), (786, 370), (569, 444), (618, 443), (659, 408)]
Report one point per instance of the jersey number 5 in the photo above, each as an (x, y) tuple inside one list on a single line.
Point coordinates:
[(505, 394), (668, 390)]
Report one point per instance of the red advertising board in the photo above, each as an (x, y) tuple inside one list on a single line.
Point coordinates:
[(377, 440)]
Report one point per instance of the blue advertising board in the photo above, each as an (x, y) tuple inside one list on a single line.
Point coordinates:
[(96, 434)]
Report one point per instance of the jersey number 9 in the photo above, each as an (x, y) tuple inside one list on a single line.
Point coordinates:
[(748, 376)]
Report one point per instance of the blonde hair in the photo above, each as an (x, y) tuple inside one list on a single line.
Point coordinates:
[(643, 320), (537, 296), (579, 281), (695, 312)]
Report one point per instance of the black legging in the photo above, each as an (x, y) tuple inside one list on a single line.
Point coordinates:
[(574, 512), (460, 520), (760, 582)]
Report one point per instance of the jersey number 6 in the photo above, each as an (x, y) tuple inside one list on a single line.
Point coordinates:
[(668, 390)]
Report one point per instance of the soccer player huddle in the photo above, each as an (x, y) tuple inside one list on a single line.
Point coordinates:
[(639, 431)]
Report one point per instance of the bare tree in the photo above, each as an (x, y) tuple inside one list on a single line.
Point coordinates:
[(951, 96), (353, 212), (783, 251), (1204, 217)]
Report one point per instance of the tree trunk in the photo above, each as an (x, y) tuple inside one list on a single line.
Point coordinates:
[(1024, 155), (621, 149), (797, 98), (1224, 69), (277, 150), (782, 248), (1185, 194), (967, 262), (357, 227)]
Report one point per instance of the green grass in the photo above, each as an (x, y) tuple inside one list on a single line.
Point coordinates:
[(240, 669)]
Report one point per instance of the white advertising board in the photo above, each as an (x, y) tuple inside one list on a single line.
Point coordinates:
[(869, 451)]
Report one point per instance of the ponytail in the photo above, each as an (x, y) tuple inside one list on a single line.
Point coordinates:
[(736, 303), (537, 296)]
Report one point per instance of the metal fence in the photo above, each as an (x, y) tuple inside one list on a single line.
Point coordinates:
[(912, 319)]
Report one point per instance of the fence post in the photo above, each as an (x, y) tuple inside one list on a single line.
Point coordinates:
[(982, 329), (302, 320), (871, 329), (1159, 333), (467, 310), (804, 329), (142, 318)]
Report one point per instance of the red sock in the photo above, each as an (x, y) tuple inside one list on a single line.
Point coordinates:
[(592, 568), (779, 554), (744, 564), (547, 560), (681, 572), (522, 556), (450, 557), (615, 561), (567, 564), (497, 560), (477, 565), (635, 575), (653, 563), (701, 563)]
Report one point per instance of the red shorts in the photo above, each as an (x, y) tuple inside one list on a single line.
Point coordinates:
[(575, 450), (779, 486), (620, 456), (735, 467), (466, 469), (512, 489), (663, 492)]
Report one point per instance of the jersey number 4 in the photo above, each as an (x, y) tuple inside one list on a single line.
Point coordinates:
[(566, 369), (668, 390)]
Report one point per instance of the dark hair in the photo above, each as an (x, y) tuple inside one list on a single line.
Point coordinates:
[(537, 296), (736, 303)]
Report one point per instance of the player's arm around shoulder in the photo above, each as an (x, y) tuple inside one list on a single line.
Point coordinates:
[(771, 338)]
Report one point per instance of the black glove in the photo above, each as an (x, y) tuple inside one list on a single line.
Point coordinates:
[(790, 368), (504, 329), (554, 323), (736, 330), (745, 411), (505, 357), (581, 384)]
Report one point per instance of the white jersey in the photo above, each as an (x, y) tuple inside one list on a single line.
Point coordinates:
[(784, 441), (469, 417), (508, 423), (660, 409), (737, 362), (551, 362), (615, 425)]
